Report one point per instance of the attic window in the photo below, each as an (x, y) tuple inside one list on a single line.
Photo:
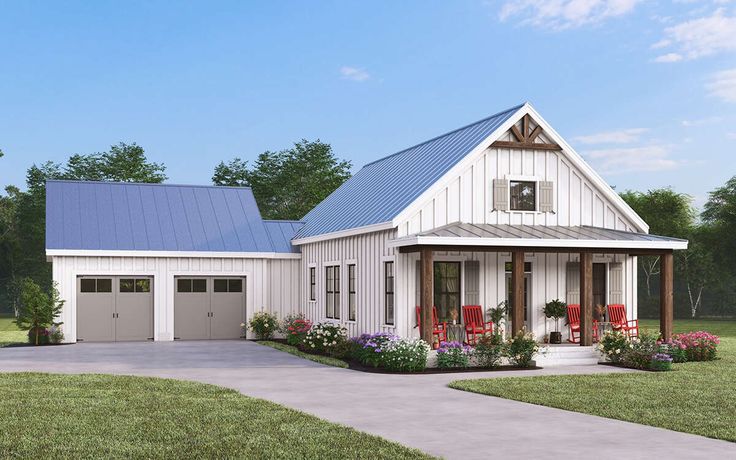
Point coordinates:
[(523, 195)]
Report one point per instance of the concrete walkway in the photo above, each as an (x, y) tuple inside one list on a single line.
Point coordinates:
[(414, 410)]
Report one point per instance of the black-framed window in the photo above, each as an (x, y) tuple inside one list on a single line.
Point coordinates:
[(351, 293), (312, 283), (90, 285), (191, 285), (389, 293), (447, 290), (523, 195), (135, 285), (332, 291), (228, 285)]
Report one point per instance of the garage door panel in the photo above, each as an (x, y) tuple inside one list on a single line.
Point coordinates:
[(134, 310), (191, 316), (95, 310), (228, 312)]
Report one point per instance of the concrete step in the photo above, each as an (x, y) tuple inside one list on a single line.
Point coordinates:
[(567, 356)]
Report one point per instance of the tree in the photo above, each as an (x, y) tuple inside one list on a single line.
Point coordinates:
[(38, 310), (668, 214), (289, 183), (697, 266), (720, 213)]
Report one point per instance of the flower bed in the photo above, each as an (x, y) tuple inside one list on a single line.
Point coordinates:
[(646, 352)]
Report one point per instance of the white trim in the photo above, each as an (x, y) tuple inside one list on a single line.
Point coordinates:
[(382, 287), (344, 233), (172, 254), (535, 243), (348, 263)]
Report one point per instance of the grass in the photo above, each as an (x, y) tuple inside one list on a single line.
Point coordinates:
[(102, 416), (296, 352), (697, 398), (9, 332)]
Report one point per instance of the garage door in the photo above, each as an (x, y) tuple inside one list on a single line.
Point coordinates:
[(209, 308), (114, 308)]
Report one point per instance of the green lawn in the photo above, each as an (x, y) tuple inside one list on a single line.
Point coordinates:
[(9, 332), (698, 398), (295, 351), (102, 416)]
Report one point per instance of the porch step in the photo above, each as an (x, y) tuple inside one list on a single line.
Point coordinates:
[(567, 355)]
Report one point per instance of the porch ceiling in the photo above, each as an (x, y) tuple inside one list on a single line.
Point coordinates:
[(479, 237)]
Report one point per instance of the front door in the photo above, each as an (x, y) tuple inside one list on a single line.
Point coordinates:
[(447, 291)]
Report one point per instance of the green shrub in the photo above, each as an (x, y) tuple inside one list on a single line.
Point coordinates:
[(295, 328), (325, 338), (38, 311), (521, 348), (405, 355), (639, 354), (453, 354), (263, 325), (489, 349), (613, 345)]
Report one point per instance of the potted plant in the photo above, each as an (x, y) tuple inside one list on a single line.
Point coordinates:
[(555, 309)]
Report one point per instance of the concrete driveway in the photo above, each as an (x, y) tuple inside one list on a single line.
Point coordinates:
[(414, 410)]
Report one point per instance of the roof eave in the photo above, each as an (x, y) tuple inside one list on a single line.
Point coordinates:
[(537, 243)]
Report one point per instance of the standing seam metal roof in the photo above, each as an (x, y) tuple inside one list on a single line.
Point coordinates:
[(160, 217), (384, 188)]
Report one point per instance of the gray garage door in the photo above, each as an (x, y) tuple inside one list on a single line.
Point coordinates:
[(114, 308), (209, 308)]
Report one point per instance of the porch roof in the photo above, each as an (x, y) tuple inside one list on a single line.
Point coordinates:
[(537, 237)]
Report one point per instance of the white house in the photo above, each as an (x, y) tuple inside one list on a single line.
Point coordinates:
[(499, 206)]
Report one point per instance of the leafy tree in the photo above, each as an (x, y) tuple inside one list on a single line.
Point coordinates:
[(720, 213), (289, 183), (697, 266), (668, 214), (38, 310)]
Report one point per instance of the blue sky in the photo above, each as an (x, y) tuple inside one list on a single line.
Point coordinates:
[(644, 90)]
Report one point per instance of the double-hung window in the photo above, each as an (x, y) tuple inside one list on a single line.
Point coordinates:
[(312, 283), (332, 292), (351, 293), (389, 293)]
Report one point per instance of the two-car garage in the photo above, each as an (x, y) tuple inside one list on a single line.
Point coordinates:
[(121, 308)]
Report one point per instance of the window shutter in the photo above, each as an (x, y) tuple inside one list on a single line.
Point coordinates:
[(616, 278), (546, 196), (573, 283), (500, 194), (472, 282)]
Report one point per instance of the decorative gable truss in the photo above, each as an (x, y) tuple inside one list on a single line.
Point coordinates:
[(526, 134)]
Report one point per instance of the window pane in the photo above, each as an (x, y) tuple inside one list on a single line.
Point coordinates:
[(127, 285), (199, 285), (183, 285), (220, 285), (104, 285), (351, 307), (143, 285), (337, 279), (330, 307), (523, 196), (235, 285), (87, 285), (337, 305)]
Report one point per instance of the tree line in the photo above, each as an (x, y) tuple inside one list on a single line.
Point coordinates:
[(287, 184)]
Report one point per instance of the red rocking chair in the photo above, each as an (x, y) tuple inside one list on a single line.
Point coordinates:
[(573, 321), (439, 330), (617, 316), (474, 324)]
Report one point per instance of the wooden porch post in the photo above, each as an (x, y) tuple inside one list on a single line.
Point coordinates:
[(666, 268), (426, 294), (517, 291), (586, 299)]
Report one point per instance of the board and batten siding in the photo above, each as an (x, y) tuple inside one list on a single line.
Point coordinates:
[(369, 253), (470, 195), (271, 284)]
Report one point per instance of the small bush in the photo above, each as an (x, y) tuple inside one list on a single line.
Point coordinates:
[(489, 350), (453, 354), (295, 328), (56, 335), (613, 345), (324, 338), (698, 346), (263, 325), (38, 336), (521, 348), (675, 349), (639, 354), (405, 355), (367, 348), (660, 362)]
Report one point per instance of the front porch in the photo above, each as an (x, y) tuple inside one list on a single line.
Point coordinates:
[(577, 249)]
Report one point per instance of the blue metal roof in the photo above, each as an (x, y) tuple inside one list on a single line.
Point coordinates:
[(384, 188), (280, 232), (158, 217)]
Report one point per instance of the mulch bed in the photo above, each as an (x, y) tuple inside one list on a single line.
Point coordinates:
[(605, 363), (357, 366)]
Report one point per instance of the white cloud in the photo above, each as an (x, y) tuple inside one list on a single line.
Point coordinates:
[(354, 73), (701, 121), (633, 159), (699, 37), (723, 85), (564, 14), (624, 136)]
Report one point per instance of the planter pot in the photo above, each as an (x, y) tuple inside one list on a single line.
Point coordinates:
[(555, 337)]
